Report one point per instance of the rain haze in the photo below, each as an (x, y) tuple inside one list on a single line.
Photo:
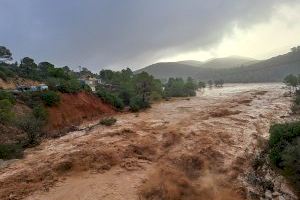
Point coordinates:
[(131, 33)]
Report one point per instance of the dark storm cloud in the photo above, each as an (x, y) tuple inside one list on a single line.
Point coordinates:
[(111, 33)]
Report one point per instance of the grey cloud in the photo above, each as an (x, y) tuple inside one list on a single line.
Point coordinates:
[(111, 33)]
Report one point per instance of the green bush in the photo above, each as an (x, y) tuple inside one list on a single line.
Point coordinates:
[(284, 150), (7, 95), (291, 163), (70, 86), (39, 112), (50, 98), (10, 151), (86, 88), (176, 87), (110, 98), (3, 76), (32, 127), (283, 132), (31, 99), (137, 103), (297, 100), (155, 96), (108, 121), (6, 114)]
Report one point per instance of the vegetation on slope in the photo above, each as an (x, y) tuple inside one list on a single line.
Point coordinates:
[(69, 101), (284, 141)]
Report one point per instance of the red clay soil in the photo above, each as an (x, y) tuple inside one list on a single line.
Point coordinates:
[(75, 108)]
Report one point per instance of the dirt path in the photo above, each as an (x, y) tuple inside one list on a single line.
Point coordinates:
[(195, 148)]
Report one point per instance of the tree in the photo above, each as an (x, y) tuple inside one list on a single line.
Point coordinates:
[(219, 83), (201, 85), (210, 83), (106, 75), (5, 54), (32, 127), (291, 81), (143, 85), (85, 72), (190, 87), (28, 68)]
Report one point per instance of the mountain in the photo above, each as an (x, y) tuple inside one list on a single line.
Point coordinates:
[(187, 68), (228, 62), (271, 70), (232, 69), (164, 70), (195, 63)]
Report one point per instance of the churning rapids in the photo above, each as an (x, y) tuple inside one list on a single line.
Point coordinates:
[(187, 148)]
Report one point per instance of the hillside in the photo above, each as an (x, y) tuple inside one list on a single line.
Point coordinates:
[(170, 69), (228, 62), (271, 70), (232, 69), (188, 68), (195, 63)]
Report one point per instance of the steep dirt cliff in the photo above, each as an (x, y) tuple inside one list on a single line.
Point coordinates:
[(76, 108)]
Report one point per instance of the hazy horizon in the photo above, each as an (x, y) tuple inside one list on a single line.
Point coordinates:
[(111, 34)]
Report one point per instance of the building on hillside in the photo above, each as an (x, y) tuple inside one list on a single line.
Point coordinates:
[(25, 88), (91, 82)]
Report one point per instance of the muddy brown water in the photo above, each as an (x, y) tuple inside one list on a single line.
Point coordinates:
[(187, 148)]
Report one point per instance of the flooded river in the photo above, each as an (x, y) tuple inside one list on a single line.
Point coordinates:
[(186, 148)]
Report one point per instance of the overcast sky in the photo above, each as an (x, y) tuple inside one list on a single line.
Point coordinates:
[(119, 33)]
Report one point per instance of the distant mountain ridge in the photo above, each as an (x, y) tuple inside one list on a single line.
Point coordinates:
[(233, 69), (165, 70), (186, 68)]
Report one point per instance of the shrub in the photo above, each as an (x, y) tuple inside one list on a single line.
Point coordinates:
[(86, 88), (70, 86), (285, 150), (108, 121), (6, 114), (3, 76), (137, 103), (7, 95), (283, 132), (291, 163), (297, 100), (32, 127), (39, 112), (111, 99), (50, 98), (10, 151), (155, 96), (31, 99)]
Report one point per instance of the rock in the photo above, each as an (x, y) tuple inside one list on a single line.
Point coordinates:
[(268, 194), (275, 194)]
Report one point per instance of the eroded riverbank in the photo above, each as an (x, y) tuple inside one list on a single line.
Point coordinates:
[(197, 148)]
